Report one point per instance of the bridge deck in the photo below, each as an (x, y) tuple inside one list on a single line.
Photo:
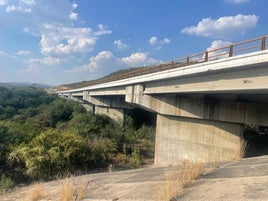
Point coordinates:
[(249, 51)]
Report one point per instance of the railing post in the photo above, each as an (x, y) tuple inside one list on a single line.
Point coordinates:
[(172, 64), (263, 43), (187, 61), (206, 56), (231, 50)]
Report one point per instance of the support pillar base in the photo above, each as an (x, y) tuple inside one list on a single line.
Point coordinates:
[(197, 140)]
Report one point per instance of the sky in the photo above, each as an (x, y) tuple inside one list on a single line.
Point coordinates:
[(60, 41)]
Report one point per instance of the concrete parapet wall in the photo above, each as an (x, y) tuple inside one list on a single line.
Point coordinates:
[(199, 140)]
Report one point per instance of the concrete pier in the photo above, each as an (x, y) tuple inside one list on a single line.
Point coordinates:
[(115, 114), (179, 138)]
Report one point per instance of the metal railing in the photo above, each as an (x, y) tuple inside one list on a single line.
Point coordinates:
[(231, 50)]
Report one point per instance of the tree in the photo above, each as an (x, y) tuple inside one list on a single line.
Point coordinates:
[(88, 125), (52, 153)]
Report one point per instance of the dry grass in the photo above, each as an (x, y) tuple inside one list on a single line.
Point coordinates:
[(190, 172), (177, 181), (69, 191), (35, 193), (66, 192), (81, 190)]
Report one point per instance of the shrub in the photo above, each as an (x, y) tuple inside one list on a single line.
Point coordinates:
[(52, 153), (5, 183)]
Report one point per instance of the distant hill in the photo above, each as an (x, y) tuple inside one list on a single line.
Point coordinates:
[(6, 84), (111, 77), (120, 74)]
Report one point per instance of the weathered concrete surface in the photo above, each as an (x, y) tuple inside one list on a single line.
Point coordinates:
[(237, 80), (197, 140), (133, 185), (245, 180), (200, 108)]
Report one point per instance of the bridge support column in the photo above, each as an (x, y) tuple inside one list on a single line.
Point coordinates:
[(110, 106), (116, 114), (180, 138)]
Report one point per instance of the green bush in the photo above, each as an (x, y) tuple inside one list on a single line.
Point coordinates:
[(52, 153), (135, 160), (43, 136), (5, 183)]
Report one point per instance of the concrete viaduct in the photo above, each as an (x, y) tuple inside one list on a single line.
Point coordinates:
[(202, 102)]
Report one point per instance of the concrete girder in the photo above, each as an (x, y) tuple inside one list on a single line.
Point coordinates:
[(107, 101), (217, 110), (112, 106), (238, 80), (114, 91)]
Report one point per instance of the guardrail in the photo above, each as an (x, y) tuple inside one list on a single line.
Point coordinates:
[(231, 50)]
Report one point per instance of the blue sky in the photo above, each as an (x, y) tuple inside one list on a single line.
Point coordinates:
[(61, 41)]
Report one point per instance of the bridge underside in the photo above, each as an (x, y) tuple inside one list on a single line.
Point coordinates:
[(190, 126), (200, 127)]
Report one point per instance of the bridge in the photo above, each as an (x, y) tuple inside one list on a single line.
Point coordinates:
[(203, 102)]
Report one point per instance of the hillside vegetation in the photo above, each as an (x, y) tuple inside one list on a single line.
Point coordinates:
[(43, 137)]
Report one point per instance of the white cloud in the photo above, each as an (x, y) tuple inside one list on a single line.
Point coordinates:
[(23, 52), (37, 65), (3, 53), (119, 44), (30, 69), (12, 8), (27, 2), (74, 5), (139, 59), (3, 2), (26, 30), (106, 62), (218, 44), (237, 1), (104, 59), (48, 61), (73, 16), (66, 40), (155, 41), (20, 5), (223, 27), (102, 30)]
